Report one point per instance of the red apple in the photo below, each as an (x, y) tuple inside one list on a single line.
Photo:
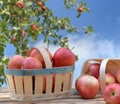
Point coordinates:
[(63, 57), (87, 86), (93, 69), (76, 83), (34, 52), (109, 78), (43, 8), (34, 27), (15, 62), (20, 4), (111, 93), (31, 63), (80, 9), (13, 39), (40, 3), (118, 76)]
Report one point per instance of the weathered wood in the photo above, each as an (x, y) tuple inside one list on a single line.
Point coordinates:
[(74, 98)]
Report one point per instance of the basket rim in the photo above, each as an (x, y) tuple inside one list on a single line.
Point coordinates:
[(29, 72)]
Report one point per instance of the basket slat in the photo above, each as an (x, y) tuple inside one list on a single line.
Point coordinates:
[(58, 82), (19, 84), (66, 81), (71, 78), (28, 85), (11, 83), (49, 78), (38, 84)]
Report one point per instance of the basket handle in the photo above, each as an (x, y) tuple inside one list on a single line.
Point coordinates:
[(46, 57), (102, 72)]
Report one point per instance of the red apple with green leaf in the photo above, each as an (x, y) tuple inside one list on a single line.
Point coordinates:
[(80, 9), (20, 4), (40, 3), (63, 57)]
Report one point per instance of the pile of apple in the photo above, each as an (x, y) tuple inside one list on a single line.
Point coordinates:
[(88, 85), (34, 59)]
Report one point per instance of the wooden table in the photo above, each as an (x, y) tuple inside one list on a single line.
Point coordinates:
[(74, 98)]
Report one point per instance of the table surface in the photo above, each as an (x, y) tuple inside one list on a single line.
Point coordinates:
[(74, 98)]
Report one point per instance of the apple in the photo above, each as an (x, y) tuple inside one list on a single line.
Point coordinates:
[(40, 3), (76, 83), (63, 57), (93, 69), (63, 27), (80, 9), (34, 52), (15, 62), (20, 4), (87, 86), (118, 76), (111, 93), (43, 8), (13, 39), (109, 78), (34, 27), (31, 63)]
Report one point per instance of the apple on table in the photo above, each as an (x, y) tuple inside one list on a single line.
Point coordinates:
[(87, 86), (111, 93)]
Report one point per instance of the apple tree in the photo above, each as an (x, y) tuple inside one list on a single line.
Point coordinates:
[(23, 21)]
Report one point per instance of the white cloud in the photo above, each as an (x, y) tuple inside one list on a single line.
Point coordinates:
[(87, 47)]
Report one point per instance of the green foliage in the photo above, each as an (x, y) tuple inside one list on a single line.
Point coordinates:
[(21, 25)]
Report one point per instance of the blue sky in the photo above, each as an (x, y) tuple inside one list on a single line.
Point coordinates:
[(104, 16)]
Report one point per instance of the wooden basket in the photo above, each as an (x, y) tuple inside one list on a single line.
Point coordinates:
[(49, 83), (106, 65)]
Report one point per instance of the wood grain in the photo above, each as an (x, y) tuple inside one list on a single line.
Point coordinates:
[(74, 98)]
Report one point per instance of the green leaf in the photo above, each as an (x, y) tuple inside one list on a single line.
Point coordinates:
[(86, 9), (79, 14), (28, 3)]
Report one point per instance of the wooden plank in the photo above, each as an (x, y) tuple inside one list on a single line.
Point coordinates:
[(74, 98), (39, 84), (28, 85), (58, 82), (10, 80), (49, 79), (19, 84), (71, 79), (66, 82)]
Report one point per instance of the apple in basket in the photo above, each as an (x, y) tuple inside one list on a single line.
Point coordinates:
[(15, 62), (109, 78), (118, 76), (31, 63), (63, 57), (34, 52), (87, 86), (93, 69), (111, 93)]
